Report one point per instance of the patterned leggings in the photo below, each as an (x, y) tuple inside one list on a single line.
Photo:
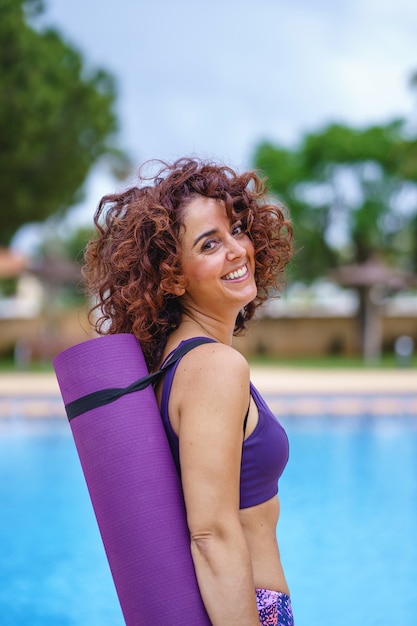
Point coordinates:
[(274, 608)]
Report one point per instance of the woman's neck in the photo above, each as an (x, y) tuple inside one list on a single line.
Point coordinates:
[(197, 325)]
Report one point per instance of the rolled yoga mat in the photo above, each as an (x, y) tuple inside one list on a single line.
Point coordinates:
[(132, 481)]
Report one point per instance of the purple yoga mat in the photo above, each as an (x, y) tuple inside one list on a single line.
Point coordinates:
[(133, 484)]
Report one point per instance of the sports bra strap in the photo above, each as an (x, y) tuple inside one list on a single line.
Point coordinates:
[(245, 421)]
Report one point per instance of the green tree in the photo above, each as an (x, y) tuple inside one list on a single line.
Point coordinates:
[(352, 194), (56, 119)]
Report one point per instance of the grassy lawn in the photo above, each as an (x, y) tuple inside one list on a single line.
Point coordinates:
[(388, 361), (8, 365)]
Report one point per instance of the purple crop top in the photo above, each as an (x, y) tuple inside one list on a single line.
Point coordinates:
[(264, 452)]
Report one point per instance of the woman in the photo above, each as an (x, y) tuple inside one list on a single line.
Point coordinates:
[(193, 252)]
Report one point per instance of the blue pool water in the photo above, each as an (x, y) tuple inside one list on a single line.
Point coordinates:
[(348, 527)]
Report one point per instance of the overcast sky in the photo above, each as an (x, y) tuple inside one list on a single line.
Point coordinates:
[(216, 78)]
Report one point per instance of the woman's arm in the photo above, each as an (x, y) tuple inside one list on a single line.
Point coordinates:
[(210, 396)]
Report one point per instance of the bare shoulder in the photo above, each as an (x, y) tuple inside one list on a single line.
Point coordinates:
[(215, 359), (213, 367)]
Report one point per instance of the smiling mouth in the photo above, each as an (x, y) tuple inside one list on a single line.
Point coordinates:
[(242, 271)]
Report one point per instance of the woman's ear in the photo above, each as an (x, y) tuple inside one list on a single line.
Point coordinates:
[(176, 286), (178, 290)]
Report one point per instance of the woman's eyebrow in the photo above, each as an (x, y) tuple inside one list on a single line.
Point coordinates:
[(208, 233)]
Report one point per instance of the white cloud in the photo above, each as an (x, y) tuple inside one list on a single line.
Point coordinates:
[(216, 78)]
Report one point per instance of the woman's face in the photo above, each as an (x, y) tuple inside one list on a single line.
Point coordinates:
[(217, 258)]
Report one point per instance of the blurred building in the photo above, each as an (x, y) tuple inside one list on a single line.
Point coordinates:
[(305, 321), (321, 320), (34, 324)]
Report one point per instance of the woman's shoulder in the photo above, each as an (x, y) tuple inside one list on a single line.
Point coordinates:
[(217, 355), (215, 376), (214, 365)]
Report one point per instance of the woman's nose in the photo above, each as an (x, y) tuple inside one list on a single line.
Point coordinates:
[(235, 249)]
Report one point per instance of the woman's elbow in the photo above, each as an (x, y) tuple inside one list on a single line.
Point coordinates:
[(207, 541), (204, 541)]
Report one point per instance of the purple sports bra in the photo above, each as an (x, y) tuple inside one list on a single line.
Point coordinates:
[(264, 453)]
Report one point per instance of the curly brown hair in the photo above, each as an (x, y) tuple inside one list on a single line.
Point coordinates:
[(132, 266)]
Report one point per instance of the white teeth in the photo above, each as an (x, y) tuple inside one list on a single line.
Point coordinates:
[(237, 274)]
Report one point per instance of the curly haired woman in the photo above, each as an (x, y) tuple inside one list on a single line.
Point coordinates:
[(193, 252)]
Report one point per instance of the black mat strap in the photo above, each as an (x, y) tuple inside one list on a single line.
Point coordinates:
[(105, 396)]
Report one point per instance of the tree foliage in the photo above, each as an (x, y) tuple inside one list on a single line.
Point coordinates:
[(56, 119), (352, 194)]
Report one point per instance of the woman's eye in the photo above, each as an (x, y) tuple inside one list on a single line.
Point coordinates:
[(237, 229), (209, 244)]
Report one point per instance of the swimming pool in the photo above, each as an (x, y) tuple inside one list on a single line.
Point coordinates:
[(347, 531)]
